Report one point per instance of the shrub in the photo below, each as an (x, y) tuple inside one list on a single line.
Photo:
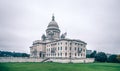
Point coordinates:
[(101, 57), (112, 58)]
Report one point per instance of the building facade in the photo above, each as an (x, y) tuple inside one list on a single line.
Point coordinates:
[(54, 45)]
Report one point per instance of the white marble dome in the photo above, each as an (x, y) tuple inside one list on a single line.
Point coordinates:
[(53, 24)]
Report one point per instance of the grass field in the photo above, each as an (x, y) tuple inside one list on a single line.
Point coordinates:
[(59, 67)]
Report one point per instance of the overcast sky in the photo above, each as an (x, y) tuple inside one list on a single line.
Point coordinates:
[(97, 22)]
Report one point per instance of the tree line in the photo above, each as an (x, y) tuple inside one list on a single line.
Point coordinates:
[(13, 54), (102, 57)]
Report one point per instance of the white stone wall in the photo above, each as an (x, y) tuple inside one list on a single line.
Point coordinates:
[(59, 60), (38, 48), (65, 49), (83, 60), (19, 59)]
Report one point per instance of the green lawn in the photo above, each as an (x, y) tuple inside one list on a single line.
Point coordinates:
[(59, 67)]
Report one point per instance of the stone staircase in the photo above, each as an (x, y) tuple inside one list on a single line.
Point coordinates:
[(45, 60)]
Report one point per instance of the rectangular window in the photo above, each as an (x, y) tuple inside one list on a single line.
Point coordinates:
[(65, 54), (61, 48), (61, 54), (75, 43), (83, 50), (66, 43), (66, 48), (75, 48), (70, 48), (70, 54), (81, 44)]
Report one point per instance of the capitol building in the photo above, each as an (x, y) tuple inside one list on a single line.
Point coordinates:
[(56, 45)]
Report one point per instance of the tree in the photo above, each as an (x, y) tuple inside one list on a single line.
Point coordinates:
[(118, 58), (101, 57), (112, 58), (92, 55), (25, 55), (12, 54)]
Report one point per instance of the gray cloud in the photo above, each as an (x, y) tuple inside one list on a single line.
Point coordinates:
[(93, 21)]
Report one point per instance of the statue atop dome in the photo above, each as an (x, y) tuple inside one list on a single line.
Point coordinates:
[(53, 18)]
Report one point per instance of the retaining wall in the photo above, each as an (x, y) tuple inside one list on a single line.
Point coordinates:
[(85, 60), (19, 59), (60, 60)]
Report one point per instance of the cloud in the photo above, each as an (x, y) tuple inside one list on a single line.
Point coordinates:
[(95, 22)]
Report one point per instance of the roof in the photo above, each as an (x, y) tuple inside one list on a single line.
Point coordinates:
[(69, 40)]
